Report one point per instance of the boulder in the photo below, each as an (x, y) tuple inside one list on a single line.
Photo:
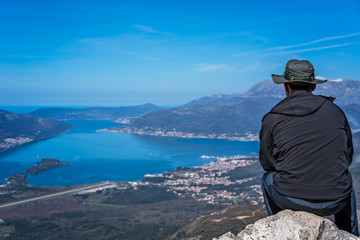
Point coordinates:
[(294, 225)]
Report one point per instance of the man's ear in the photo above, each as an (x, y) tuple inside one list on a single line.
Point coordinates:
[(287, 89), (314, 87)]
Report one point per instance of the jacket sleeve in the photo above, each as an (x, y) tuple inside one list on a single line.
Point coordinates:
[(349, 141), (266, 146)]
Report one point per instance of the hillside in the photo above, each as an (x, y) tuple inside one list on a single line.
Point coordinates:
[(236, 116), (17, 129), (235, 119), (356, 142), (233, 219), (96, 113)]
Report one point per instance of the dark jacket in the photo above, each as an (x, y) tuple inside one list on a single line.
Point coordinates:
[(307, 140)]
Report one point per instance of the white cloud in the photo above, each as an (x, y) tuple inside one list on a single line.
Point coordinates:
[(312, 49), (313, 42), (330, 79), (203, 67), (146, 28), (280, 49)]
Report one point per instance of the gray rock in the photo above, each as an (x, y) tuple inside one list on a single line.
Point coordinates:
[(293, 225), (226, 236)]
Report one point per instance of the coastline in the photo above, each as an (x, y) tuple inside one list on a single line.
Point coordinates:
[(11, 143), (155, 155), (247, 137)]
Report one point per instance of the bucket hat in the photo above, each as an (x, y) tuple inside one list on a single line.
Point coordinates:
[(298, 72)]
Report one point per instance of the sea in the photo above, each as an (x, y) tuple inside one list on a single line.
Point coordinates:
[(107, 156)]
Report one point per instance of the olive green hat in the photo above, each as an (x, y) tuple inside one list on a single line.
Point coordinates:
[(298, 72)]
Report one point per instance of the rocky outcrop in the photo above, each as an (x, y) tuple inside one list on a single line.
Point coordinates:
[(289, 224)]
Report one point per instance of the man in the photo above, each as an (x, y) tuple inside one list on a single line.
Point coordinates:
[(306, 149)]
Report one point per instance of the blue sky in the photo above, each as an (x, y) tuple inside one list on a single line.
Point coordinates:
[(120, 53)]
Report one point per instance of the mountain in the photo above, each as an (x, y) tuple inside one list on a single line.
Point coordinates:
[(356, 142), (345, 91), (352, 112), (237, 116), (208, 119), (17, 129), (96, 113), (233, 118)]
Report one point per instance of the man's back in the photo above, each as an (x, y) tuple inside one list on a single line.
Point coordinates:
[(306, 149), (311, 147)]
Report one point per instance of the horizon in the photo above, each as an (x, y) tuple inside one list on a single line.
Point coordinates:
[(23, 109), (89, 53)]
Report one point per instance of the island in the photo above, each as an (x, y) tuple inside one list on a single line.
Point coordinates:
[(45, 164)]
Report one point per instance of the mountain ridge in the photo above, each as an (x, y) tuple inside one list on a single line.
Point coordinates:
[(236, 116), (96, 113)]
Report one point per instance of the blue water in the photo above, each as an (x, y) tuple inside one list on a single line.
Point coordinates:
[(101, 156)]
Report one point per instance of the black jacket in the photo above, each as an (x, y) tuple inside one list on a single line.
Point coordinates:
[(306, 140)]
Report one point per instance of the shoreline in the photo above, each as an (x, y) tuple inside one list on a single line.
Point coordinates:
[(147, 175), (248, 137), (13, 143)]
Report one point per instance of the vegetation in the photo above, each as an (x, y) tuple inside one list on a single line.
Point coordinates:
[(149, 213), (141, 195), (233, 219)]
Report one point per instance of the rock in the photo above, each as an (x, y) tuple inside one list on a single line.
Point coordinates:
[(226, 236), (294, 225), (195, 238)]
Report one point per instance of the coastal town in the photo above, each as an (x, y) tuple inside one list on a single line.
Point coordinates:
[(224, 181), (12, 142), (247, 137), (218, 182)]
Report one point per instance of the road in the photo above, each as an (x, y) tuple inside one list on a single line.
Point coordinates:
[(97, 185), (252, 214)]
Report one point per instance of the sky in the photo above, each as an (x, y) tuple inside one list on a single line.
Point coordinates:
[(119, 53)]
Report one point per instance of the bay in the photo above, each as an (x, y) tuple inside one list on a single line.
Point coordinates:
[(106, 156)]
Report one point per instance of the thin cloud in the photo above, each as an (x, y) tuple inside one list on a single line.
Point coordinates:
[(279, 50), (259, 66), (251, 36), (111, 39), (202, 67), (146, 28), (313, 42), (312, 49), (22, 56), (250, 67), (151, 58)]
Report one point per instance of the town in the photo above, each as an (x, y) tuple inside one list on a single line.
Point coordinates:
[(248, 137), (214, 183)]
